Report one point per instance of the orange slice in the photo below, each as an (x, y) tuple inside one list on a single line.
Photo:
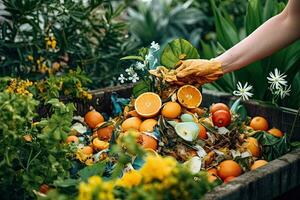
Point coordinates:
[(147, 104), (189, 96)]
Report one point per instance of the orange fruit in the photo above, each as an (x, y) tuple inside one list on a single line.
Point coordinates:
[(189, 96), (148, 125), (218, 106), (259, 123), (72, 138), (211, 178), (229, 178), (171, 110), (105, 133), (87, 150), (93, 118), (252, 146), (131, 123), (258, 163), (276, 132), (202, 133), (148, 142), (147, 104), (213, 171), (99, 144), (229, 168)]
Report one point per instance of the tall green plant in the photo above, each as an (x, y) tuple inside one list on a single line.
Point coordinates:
[(286, 60), (163, 20), (42, 37)]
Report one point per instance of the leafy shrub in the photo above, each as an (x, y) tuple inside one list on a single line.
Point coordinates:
[(40, 38)]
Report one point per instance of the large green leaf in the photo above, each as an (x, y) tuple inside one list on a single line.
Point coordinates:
[(96, 169), (253, 17), (141, 88), (269, 9), (176, 50), (273, 147), (226, 33)]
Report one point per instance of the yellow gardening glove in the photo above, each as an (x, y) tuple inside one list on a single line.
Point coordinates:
[(194, 72), (198, 71)]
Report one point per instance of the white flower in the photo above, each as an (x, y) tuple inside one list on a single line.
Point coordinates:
[(276, 80), (148, 56), (243, 91), (285, 92), (134, 78), (155, 46), (122, 79), (140, 66), (130, 71)]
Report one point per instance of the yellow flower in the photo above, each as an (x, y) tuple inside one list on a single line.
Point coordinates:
[(129, 179), (95, 182), (157, 167), (106, 192), (30, 57), (85, 192), (53, 44)]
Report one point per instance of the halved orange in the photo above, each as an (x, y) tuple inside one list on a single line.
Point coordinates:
[(189, 96), (147, 104)]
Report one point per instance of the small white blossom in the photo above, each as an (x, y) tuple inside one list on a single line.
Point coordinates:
[(155, 46), (148, 56), (243, 91), (122, 79), (130, 71), (140, 66), (134, 78), (285, 92), (277, 80)]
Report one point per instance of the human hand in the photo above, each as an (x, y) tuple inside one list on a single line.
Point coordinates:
[(198, 71), (193, 71)]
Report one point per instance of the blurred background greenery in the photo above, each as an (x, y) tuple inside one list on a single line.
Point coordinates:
[(39, 38)]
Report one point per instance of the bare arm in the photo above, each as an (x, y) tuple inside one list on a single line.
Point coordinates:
[(276, 33)]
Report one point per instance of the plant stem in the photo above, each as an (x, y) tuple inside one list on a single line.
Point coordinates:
[(294, 124)]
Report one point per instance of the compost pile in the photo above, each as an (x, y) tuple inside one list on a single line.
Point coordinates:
[(217, 139)]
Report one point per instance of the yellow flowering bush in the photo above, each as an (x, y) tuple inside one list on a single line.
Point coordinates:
[(159, 178)]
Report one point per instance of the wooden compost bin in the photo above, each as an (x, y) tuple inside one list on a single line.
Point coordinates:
[(279, 179)]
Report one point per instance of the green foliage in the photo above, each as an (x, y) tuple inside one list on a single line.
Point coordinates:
[(40, 38), (31, 153), (165, 20), (286, 60), (177, 50), (273, 147)]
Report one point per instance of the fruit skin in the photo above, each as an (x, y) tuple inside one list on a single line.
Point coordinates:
[(87, 150), (99, 144), (259, 123), (189, 96), (213, 171), (44, 188), (219, 106), (93, 118), (229, 168), (229, 178), (105, 133), (187, 130), (148, 142), (72, 138), (148, 125), (171, 110), (202, 133), (276, 132), (221, 118), (148, 104), (131, 123), (258, 163), (252, 145)]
